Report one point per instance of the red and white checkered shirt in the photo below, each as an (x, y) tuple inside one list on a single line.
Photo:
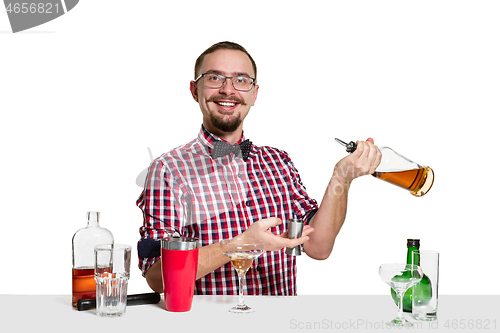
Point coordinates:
[(189, 192)]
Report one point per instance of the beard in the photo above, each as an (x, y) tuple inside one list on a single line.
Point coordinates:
[(225, 126)]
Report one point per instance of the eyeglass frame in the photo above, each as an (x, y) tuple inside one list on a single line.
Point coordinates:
[(224, 80)]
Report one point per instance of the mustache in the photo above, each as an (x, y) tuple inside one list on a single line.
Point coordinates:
[(227, 98)]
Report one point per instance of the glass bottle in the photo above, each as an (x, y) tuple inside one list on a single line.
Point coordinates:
[(425, 290), (400, 171), (84, 241)]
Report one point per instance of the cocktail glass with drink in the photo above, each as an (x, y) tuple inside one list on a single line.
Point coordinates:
[(242, 251)]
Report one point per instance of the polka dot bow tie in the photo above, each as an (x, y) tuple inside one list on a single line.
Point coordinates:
[(222, 148)]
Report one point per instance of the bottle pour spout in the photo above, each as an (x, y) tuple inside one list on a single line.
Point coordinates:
[(350, 147)]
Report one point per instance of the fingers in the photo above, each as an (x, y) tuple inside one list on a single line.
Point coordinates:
[(257, 229), (365, 160), (368, 148), (374, 156), (370, 157), (307, 230), (295, 242), (281, 242), (286, 242), (261, 230), (359, 149), (270, 222)]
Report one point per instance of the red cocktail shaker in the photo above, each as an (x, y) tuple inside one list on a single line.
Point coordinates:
[(179, 262)]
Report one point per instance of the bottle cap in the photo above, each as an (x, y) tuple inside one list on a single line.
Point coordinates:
[(413, 243)]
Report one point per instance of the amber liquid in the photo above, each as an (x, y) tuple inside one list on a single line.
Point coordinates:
[(417, 181), (242, 262), (83, 284)]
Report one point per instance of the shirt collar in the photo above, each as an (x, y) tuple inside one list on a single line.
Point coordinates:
[(208, 139)]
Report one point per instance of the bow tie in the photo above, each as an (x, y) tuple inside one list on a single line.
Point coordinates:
[(222, 148)]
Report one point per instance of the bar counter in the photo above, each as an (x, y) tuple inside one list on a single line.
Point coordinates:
[(54, 313)]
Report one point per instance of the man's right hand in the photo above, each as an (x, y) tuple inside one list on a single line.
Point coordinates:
[(261, 230)]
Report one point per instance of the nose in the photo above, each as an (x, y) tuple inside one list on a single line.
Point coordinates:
[(227, 88)]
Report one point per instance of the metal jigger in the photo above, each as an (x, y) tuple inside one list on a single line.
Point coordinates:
[(295, 227)]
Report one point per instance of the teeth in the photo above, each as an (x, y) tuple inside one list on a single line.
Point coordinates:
[(227, 104)]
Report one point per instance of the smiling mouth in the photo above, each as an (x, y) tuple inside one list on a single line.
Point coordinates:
[(225, 104), (226, 101)]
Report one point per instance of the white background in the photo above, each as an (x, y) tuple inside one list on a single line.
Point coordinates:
[(83, 96)]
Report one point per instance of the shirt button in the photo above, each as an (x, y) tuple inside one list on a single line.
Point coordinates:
[(239, 175), (248, 203), (258, 268)]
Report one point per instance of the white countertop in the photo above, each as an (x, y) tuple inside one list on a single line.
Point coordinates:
[(54, 313)]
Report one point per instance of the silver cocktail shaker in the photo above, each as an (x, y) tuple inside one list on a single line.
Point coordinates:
[(295, 227)]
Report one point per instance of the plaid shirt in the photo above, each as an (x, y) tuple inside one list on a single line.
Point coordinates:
[(189, 192)]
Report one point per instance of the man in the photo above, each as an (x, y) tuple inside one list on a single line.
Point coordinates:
[(220, 186)]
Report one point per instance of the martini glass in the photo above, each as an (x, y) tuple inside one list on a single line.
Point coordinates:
[(400, 277), (242, 252)]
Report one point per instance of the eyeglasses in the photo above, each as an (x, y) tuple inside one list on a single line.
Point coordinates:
[(214, 81)]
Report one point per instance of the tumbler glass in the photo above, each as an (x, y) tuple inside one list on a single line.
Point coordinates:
[(425, 308), (112, 271)]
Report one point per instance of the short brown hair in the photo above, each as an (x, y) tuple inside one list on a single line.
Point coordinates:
[(222, 46)]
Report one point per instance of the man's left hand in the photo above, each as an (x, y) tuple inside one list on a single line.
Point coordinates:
[(363, 161)]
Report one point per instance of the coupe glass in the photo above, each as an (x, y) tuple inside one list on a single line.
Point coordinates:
[(242, 252), (400, 277)]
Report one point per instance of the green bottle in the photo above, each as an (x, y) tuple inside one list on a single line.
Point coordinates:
[(425, 290)]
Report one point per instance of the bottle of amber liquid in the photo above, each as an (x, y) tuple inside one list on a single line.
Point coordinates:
[(84, 242), (399, 170)]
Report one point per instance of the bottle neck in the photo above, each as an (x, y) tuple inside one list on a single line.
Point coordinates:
[(93, 219), (92, 223), (413, 257)]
